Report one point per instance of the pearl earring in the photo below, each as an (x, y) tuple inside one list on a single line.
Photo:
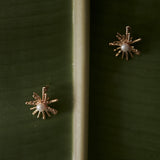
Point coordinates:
[(41, 104), (125, 44)]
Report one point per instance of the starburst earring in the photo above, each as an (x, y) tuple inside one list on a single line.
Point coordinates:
[(125, 44), (41, 104)]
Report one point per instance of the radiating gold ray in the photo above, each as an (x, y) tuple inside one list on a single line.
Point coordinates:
[(35, 112), (48, 114), (32, 103), (52, 101), (137, 40), (117, 48), (131, 54), (118, 53), (33, 108), (122, 55), (38, 114), (126, 56), (36, 96), (136, 51), (44, 116)]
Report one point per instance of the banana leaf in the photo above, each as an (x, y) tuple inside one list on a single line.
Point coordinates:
[(124, 108), (35, 51)]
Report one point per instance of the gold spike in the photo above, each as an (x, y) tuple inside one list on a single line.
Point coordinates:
[(33, 108), (44, 116), (35, 112), (48, 114), (38, 114)]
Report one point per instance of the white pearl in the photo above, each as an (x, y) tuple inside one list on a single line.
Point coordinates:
[(41, 107), (125, 47)]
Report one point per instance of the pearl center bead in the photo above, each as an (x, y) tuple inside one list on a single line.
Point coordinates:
[(41, 107), (125, 47)]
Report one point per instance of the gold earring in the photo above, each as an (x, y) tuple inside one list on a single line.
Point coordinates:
[(125, 44), (41, 104)]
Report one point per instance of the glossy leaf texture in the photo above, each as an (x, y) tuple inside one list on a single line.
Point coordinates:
[(124, 96), (35, 50)]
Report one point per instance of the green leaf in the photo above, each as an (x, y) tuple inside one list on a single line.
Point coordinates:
[(124, 96), (35, 50)]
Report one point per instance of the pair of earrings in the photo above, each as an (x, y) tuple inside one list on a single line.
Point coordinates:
[(124, 45), (41, 105)]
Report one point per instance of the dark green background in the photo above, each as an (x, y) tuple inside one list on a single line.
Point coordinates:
[(35, 50), (124, 122)]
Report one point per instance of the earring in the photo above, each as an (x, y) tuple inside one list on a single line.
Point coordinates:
[(125, 44), (41, 104)]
